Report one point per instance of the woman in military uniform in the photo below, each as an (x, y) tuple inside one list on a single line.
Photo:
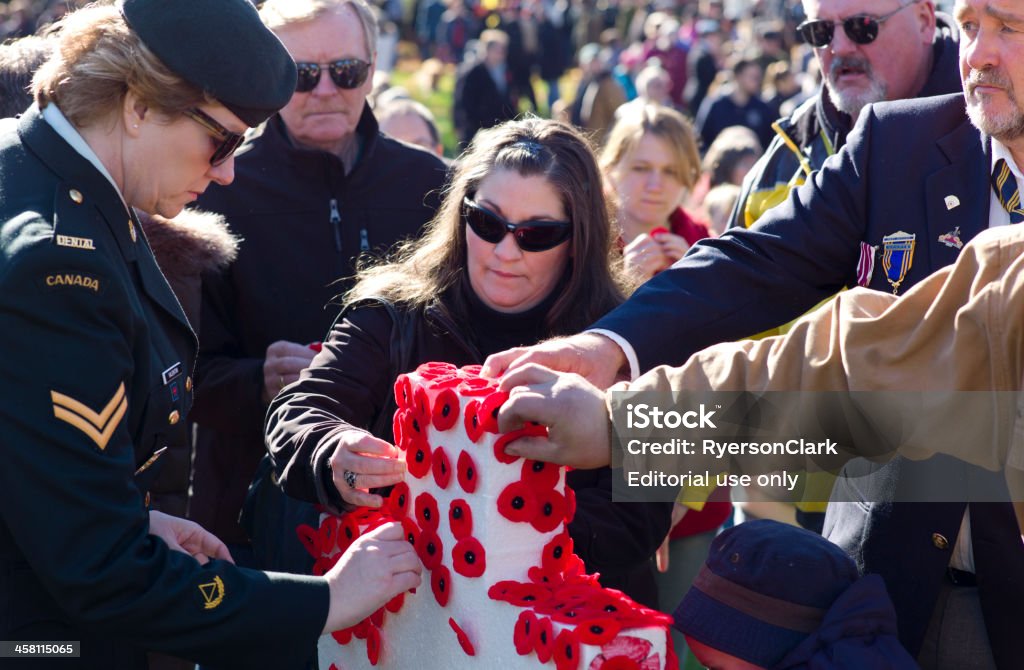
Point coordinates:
[(142, 105)]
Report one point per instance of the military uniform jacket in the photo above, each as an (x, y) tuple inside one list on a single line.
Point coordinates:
[(95, 376)]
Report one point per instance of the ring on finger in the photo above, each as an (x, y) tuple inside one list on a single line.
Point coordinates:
[(350, 478)]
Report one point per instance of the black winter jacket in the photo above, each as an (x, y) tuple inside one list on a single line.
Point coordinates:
[(303, 222)]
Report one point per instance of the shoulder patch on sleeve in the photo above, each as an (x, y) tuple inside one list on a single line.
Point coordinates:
[(98, 426)]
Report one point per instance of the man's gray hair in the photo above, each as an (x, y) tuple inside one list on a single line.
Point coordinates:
[(278, 14)]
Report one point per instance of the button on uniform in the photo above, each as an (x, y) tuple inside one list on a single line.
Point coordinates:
[(188, 384), (131, 230), (940, 541), (174, 418), (76, 196)]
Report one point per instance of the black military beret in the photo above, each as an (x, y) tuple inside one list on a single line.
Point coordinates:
[(220, 46)]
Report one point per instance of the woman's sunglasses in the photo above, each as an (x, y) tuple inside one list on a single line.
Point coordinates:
[(228, 141), (861, 29), (347, 73), (529, 235)]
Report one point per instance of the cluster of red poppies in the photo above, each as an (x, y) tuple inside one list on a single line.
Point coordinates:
[(326, 545), (563, 607), (560, 593)]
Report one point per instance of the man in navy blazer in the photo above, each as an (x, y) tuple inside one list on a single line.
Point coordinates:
[(912, 185)]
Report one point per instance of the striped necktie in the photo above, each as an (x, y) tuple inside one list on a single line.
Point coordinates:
[(1005, 185)]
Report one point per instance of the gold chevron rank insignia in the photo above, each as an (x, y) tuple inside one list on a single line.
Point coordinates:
[(213, 593), (97, 426)]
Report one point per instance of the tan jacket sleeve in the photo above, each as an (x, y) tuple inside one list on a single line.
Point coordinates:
[(960, 330)]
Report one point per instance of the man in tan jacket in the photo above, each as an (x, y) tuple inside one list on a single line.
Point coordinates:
[(961, 329)]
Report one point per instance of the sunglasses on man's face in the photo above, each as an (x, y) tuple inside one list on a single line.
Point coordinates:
[(228, 141), (347, 73), (529, 235), (861, 29)]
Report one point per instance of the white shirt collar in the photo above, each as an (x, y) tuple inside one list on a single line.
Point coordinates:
[(999, 150), (63, 127)]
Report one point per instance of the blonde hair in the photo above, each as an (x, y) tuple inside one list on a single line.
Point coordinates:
[(435, 263), (97, 60), (662, 122), (277, 14)]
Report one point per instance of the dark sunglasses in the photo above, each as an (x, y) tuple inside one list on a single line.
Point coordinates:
[(229, 141), (346, 73), (529, 235), (861, 29)]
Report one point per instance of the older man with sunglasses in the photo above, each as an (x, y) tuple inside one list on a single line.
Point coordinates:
[(315, 186), (916, 181), (868, 51)]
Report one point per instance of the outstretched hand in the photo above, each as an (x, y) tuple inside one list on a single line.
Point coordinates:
[(589, 355), (374, 569), (572, 408)]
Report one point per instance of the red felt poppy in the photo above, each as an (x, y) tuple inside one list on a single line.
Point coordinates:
[(412, 531), (397, 504), (396, 603), (310, 539), (446, 409), (504, 440), (472, 421), (567, 650), (415, 427), (421, 405), (570, 504), (441, 584), (418, 459), (377, 618), (543, 639), (466, 472), (329, 533), (598, 632), (373, 645), (362, 629), (522, 636), (540, 474), (429, 548), (540, 575), (469, 557), (502, 590), (556, 552), (441, 467), (436, 368), (398, 429), (426, 511), (518, 503), (343, 636), (489, 410), (460, 519), (476, 386), (464, 642), (525, 594), (472, 370), (403, 391), (608, 603), (550, 511), (446, 382), (348, 531)]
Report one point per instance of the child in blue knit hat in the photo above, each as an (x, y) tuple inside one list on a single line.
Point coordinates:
[(777, 597)]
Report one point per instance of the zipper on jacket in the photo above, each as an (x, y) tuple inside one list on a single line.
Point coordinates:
[(336, 223), (364, 240)]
